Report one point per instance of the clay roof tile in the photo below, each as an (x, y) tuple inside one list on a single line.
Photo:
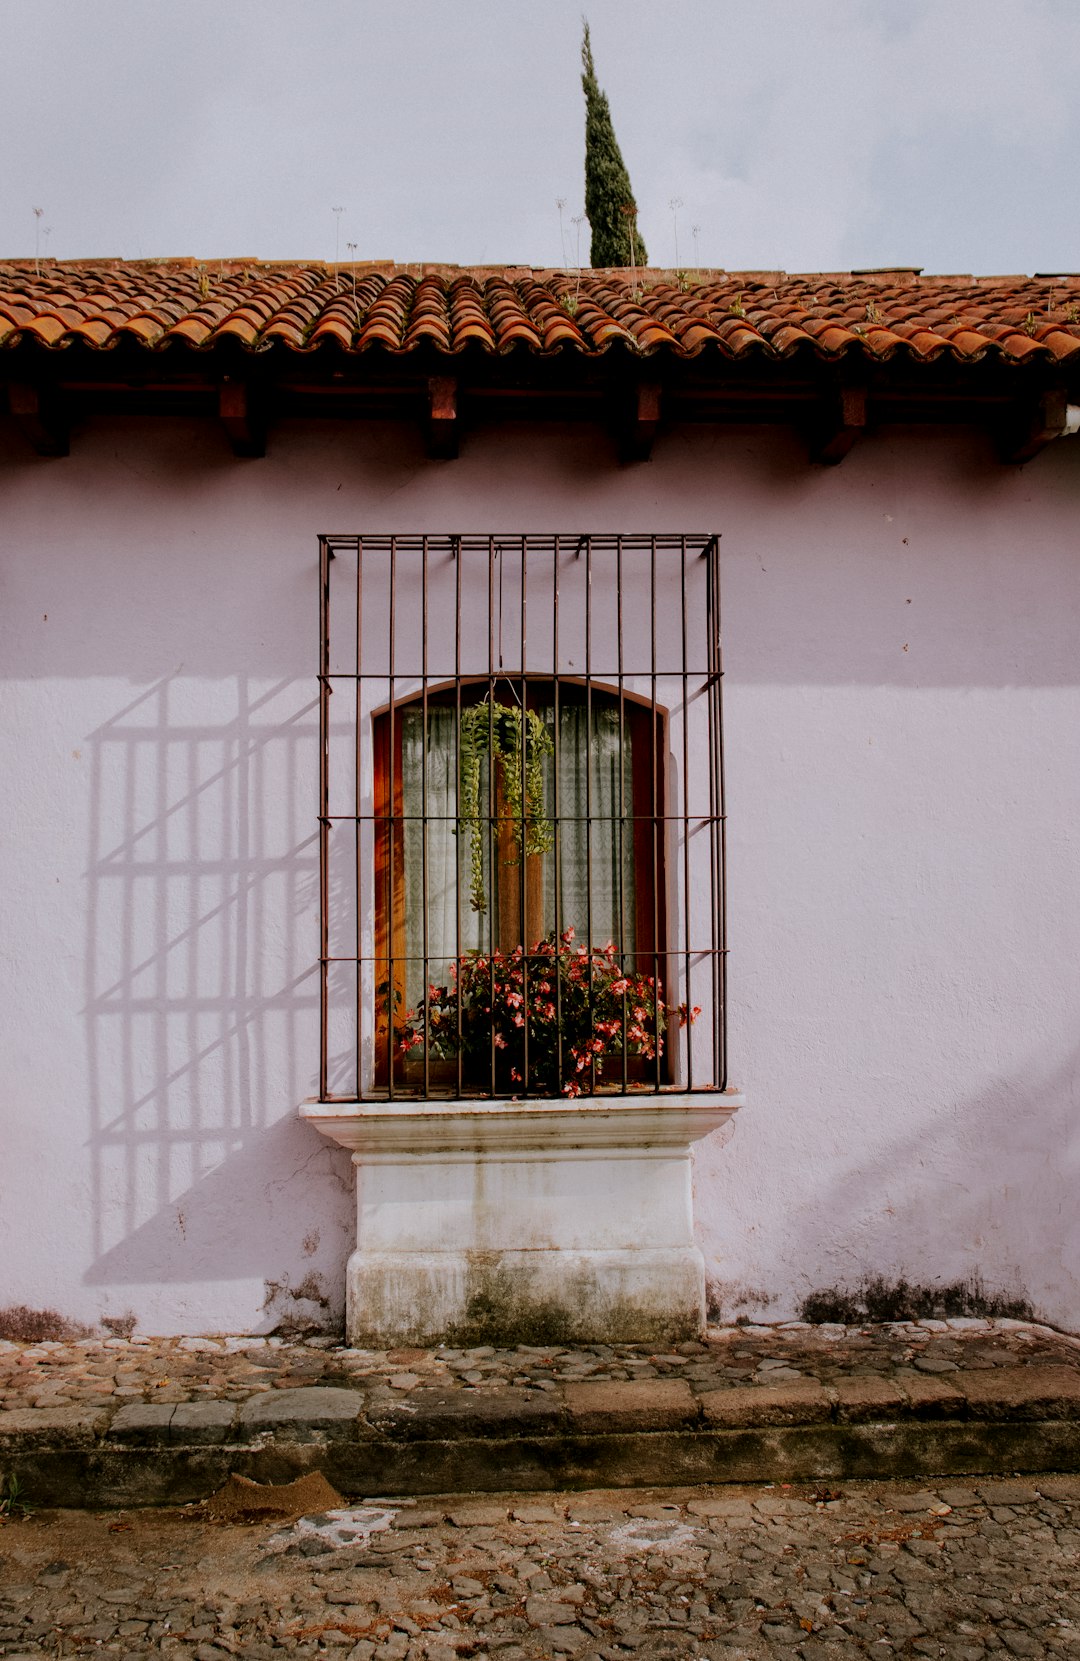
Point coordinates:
[(151, 304)]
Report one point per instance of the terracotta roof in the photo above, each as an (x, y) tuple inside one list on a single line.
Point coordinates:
[(736, 315)]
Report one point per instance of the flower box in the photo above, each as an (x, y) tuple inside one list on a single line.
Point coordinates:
[(558, 1019)]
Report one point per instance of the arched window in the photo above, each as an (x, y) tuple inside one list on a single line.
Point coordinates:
[(496, 874)]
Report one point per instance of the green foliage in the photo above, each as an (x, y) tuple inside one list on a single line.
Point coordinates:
[(11, 1500), (609, 199), (509, 735)]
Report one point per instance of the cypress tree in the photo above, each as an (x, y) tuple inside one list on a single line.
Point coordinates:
[(609, 200)]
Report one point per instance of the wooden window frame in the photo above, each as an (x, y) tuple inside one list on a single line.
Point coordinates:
[(648, 811)]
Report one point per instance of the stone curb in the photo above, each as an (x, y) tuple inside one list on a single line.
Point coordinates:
[(131, 1476), (588, 1434)]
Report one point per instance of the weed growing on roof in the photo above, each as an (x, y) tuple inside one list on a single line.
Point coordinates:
[(736, 308), (1072, 315), (872, 313), (1030, 324)]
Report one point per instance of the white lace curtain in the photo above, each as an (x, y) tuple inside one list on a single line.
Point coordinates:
[(593, 827)]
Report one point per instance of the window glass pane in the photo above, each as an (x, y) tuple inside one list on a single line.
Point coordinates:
[(593, 786), (595, 808), (446, 852)]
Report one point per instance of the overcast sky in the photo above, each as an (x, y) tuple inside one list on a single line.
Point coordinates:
[(809, 135)]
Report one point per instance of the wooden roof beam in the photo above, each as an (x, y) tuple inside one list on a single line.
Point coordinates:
[(1035, 426), (839, 422), (40, 415), (639, 419), (443, 425), (241, 416)]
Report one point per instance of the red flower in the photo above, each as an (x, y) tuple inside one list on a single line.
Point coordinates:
[(503, 1004)]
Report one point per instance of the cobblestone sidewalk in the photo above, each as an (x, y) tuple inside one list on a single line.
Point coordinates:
[(156, 1421), (175, 1370)]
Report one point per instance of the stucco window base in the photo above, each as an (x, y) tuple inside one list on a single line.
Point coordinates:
[(524, 1222)]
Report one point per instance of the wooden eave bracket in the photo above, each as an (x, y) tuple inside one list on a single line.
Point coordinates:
[(443, 425), (839, 422), (1035, 426), (39, 413), (240, 413), (639, 419)]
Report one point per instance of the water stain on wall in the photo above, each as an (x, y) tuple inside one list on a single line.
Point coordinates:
[(295, 1310), (727, 1303), (876, 1299)]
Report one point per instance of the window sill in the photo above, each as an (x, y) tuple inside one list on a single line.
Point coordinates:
[(406, 1128)]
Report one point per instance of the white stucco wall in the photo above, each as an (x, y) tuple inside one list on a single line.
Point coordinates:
[(902, 645)]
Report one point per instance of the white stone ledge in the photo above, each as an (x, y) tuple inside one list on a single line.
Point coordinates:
[(630, 1124), (501, 1221)]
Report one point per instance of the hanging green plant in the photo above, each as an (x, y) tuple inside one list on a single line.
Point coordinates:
[(508, 734)]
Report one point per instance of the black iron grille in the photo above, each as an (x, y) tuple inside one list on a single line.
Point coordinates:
[(521, 816)]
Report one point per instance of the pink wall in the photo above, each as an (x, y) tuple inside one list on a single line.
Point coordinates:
[(902, 644)]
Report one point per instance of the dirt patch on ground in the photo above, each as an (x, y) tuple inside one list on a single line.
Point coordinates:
[(242, 1501)]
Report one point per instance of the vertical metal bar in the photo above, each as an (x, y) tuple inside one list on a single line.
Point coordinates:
[(715, 871), (392, 824), (456, 549), (557, 849), (657, 861), (424, 795), (588, 792), (721, 1025), (688, 1029), (358, 878), (622, 799), (324, 805), (491, 840), (523, 888)]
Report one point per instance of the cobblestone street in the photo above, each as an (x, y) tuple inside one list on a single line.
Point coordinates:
[(870, 1569)]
